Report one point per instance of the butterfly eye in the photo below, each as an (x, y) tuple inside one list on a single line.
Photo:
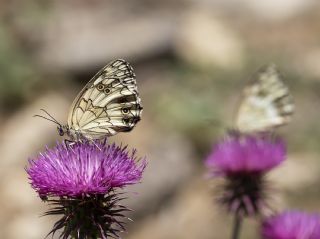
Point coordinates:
[(100, 87), (125, 110), (107, 90), (60, 131)]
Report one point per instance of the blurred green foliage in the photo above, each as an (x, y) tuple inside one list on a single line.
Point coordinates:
[(17, 74), (195, 103)]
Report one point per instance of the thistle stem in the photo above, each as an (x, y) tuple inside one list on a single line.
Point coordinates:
[(236, 226)]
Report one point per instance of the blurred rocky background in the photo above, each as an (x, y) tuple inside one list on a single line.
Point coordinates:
[(191, 58)]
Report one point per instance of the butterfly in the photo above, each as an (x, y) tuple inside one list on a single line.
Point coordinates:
[(107, 105), (266, 103)]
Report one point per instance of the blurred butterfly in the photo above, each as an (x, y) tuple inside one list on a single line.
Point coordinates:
[(266, 104), (107, 105)]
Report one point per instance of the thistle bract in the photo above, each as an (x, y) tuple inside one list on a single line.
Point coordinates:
[(80, 182), (242, 161)]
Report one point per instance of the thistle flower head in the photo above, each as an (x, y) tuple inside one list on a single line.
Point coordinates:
[(83, 169), (242, 161), (246, 154), (80, 183), (292, 225)]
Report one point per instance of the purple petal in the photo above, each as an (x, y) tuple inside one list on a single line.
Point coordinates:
[(292, 225), (84, 169), (246, 154)]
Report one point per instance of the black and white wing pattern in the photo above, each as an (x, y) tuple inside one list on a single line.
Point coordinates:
[(267, 103), (108, 104)]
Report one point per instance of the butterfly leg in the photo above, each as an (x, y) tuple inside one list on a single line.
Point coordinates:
[(94, 143), (69, 143), (89, 140)]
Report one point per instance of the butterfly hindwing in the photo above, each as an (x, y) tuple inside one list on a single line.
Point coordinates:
[(108, 104), (266, 103)]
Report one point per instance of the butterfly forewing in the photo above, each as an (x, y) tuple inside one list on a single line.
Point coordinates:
[(266, 103), (108, 104)]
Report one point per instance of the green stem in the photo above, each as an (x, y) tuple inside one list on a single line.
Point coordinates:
[(236, 226)]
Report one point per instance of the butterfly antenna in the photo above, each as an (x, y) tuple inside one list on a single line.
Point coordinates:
[(49, 119), (53, 119)]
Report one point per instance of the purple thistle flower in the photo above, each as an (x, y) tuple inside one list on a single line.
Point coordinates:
[(80, 182), (292, 225), (243, 160), (246, 154), (83, 169)]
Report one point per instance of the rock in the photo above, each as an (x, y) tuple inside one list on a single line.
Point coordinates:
[(21, 136), (27, 226), (299, 170), (204, 40), (22, 132), (310, 62), (275, 10), (272, 10), (171, 161), (76, 38), (192, 214)]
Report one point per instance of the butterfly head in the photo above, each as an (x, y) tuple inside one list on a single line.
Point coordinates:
[(62, 130)]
